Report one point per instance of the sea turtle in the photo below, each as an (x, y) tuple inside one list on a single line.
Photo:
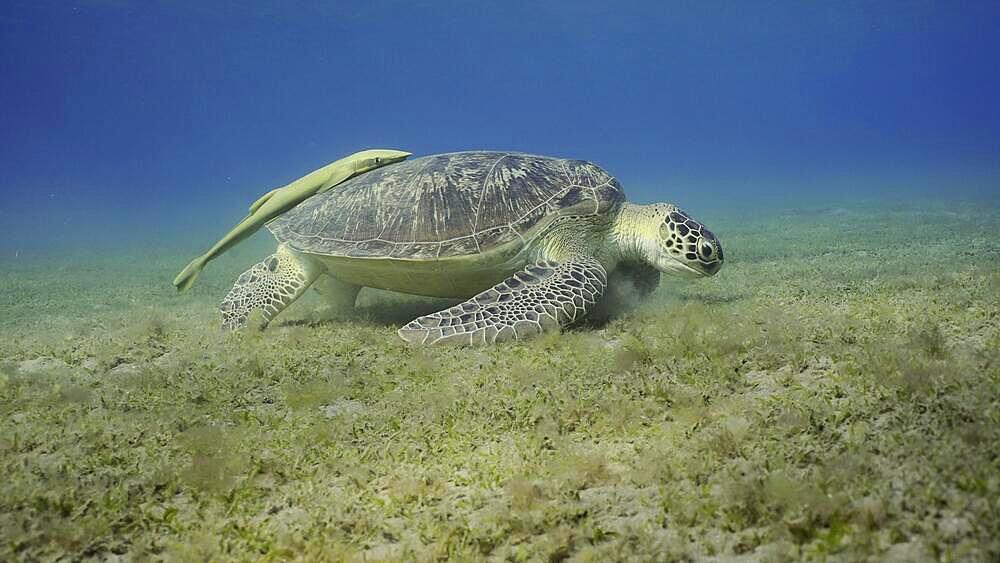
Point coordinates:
[(528, 240)]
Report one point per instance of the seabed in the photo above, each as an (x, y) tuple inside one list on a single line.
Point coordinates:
[(833, 394)]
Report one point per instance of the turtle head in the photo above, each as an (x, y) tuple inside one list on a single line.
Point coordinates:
[(672, 241), (685, 246), (374, 158)]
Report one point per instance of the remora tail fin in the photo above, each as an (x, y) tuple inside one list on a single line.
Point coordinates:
[(185, 279)]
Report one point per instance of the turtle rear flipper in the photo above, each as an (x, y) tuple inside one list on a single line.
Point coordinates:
[(268, 287), (544, 296)]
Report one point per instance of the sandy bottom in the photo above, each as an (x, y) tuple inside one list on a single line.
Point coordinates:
[(833, 393)]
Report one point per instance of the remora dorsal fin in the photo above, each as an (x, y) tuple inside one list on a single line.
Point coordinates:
[(261, 200)]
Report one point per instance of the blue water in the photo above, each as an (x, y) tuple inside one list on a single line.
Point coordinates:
[(158, 122)]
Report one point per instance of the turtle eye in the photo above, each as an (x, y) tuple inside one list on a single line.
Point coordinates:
[(378, 160), (706, 250)]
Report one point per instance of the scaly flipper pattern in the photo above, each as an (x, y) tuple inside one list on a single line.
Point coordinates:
[(269, 286), (544, 296)]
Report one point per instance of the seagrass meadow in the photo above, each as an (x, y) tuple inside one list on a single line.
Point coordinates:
[(833, 394)]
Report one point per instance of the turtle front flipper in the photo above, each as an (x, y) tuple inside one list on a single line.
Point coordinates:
[(268, 287), (545, 295)]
